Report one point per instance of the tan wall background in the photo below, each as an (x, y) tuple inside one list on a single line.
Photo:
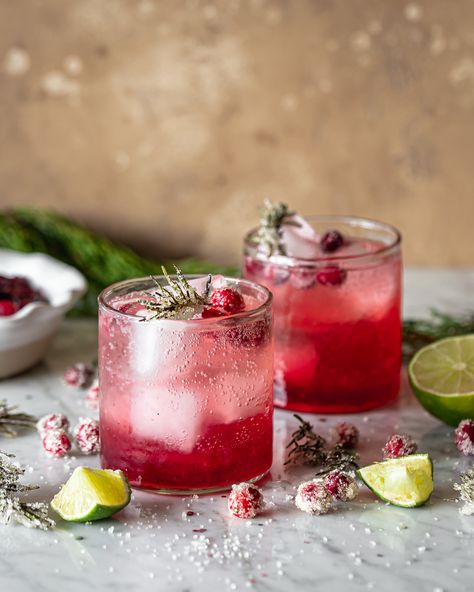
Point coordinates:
[(165, 122)]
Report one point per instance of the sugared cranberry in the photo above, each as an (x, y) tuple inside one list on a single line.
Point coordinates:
[(245, 500), (87, 436), (92, 397), (331, 241), (8, 307), (302, 278), (313, 497), (80, 375), (346, 434), (399, 445), (332, 275), (464, 436), (56, 443), (228, 300), (52, 421), (341, 485)]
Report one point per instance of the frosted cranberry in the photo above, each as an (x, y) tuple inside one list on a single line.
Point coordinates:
[(80, 375), (92, 397), (341, 485), (56, 443), (346, 434), (332, 275), (245, 500), (87, 436), (399, 445), (303, 279), (331, 241), (464, 436), (228, 300), (7, 307), (52, 421), (312, 497)]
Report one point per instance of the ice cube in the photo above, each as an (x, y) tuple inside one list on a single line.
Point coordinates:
[(154, 348), (300, 238), (171, 416)]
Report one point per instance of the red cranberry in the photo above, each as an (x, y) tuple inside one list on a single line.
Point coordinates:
[(210, 313), (332, 275), (80, 375), (331, 241), (87, 436), (312, 497), (7, 308), (347, 435), (341, 485), (245, 500), (464, 436), (56, 443), (228, 300), (399, 445)]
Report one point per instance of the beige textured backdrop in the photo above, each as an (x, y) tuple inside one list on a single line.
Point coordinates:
[(165, 122)]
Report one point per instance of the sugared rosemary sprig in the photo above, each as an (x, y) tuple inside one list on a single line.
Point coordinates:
[(420, 332), (10, 420), (175, 298), (309, 448), (269, 236), (466, 492), (30, 514)]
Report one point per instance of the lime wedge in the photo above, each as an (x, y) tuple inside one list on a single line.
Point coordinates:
[(406, 481), (442, 378), (92, 494)]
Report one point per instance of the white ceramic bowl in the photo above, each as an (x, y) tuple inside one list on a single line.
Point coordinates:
[(26, 335)]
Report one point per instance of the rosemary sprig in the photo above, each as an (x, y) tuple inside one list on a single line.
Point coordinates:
[(466, 492), (420, 332), (309, 448), (10, 420), (174, 299), (29, 514), (269, 235)]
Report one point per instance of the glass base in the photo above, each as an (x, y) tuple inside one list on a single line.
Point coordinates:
[(195, 491), (336, 409)]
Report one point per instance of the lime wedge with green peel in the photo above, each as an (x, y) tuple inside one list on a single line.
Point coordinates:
[(406, 481), (92, 494), (442, 378)]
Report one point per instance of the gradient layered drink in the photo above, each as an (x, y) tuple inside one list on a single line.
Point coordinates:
[(336, 283), (186, 402)]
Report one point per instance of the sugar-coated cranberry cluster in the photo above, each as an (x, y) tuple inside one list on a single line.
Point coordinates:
[(56, 440)]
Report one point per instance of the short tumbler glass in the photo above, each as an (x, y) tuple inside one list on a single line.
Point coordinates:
[(337, 318), (186, 405)]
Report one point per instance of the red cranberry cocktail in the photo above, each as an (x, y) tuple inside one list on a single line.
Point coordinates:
[(186, 390), (336, 283)]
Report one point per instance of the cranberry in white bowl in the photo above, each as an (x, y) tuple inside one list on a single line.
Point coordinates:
[(36, 291)]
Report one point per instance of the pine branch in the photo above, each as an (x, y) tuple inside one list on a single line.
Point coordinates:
[(9, 420), (269, 235)]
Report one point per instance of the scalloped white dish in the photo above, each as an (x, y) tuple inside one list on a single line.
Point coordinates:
[(26, 335)]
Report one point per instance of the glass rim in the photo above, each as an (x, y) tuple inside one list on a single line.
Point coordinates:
[(245, 314), (358, 221)]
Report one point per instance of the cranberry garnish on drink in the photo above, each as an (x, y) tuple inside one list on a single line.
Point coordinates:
[(15, 293), (336, 284)]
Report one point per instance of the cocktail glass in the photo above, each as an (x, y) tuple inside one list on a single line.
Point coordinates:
[(336, 318), (186, 405)]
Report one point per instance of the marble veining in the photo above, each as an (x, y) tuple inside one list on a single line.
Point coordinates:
[(154, 545)]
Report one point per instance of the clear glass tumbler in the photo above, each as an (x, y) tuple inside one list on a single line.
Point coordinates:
[(336, 318), (186, 405)]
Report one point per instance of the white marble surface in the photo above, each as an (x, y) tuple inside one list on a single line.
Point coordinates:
[(151, 546)]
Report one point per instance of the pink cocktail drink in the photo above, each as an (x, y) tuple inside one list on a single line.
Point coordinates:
[(186, 403), (337, 317)]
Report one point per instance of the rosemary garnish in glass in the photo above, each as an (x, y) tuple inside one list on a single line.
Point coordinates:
[(309, 448), (30, 514), (269, 236), (176, 298), (466, 492), (9, 420)]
